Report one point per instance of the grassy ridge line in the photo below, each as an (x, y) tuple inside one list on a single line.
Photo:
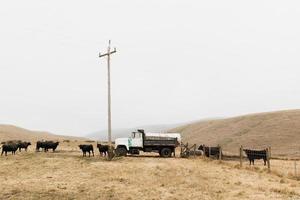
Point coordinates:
[(10, 132), (280, 130)]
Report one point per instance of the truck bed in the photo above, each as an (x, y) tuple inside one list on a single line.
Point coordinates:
[(160, 141)]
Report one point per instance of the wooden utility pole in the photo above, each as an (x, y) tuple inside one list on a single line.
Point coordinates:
[(109, 52)]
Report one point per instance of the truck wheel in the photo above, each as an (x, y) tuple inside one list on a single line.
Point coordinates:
[(165, 152), (121, 151)]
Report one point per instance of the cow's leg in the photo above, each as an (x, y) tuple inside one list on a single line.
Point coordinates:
[(89, 153), (265, 162), (19, 149), (26, 149), (2, 152), (5, 153)]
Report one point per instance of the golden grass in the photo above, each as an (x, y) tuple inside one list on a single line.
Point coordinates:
[(66, 175)]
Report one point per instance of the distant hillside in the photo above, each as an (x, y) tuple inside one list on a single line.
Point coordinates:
[(280, 130), (125, 132), (9, 132)]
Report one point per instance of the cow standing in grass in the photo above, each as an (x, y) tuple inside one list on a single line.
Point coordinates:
[(210, 151), (103, 149), (23, 145), (46, 145), (11, 147), (51, 145), (86, 148), (256, 154)]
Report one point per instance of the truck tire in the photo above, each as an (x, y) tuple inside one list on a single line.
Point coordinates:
[(165, 152), (121, 151)]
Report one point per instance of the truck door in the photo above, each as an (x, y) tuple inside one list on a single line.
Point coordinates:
[(137, 140)]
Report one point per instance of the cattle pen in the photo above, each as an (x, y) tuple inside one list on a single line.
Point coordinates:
[(258, 159)]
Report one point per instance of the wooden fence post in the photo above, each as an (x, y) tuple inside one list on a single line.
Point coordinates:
[(241, 156), (220, 152), (268, 159), (295, 166), (181, 149)]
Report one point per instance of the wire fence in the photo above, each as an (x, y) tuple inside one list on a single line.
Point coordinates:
[(260, 159)]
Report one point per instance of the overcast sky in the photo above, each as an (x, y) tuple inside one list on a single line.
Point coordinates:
[(176, 61)]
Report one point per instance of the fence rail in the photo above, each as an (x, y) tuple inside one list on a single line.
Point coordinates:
[(259, 159)]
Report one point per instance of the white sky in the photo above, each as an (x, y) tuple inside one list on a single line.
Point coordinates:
[(177, 61)]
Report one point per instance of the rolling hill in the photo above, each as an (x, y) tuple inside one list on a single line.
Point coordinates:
[(280, 130), (10, 132)]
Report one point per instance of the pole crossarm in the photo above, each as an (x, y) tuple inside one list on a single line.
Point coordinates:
[(106, 54)]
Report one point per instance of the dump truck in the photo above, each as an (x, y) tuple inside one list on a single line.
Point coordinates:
[(162, 143)]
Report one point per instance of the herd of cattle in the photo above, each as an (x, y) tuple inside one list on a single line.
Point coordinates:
[(13, 146)]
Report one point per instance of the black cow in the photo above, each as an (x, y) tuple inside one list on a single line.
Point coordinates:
[(12, 147), (46, 145), (51, 145), (103, 149), (210, 151), (256, 154), (23, 145), (40, 144), (87, 148)]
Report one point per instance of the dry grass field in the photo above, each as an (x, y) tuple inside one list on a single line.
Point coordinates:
[(280, 130), (66, 175)]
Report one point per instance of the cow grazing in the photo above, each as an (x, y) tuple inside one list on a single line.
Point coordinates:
[(46, 145), (210, 151), (23, 145), (11, 147), (103, 149), (256, 154), (87, 148)]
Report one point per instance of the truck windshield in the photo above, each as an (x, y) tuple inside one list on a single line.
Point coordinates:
[(136, 135)]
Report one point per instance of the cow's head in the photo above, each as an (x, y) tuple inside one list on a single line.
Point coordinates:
[(247, 151), (201, 147)]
